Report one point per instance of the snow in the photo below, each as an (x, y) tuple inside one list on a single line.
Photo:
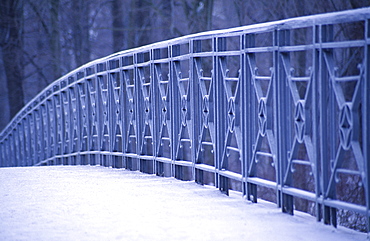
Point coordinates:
[(98, 203)]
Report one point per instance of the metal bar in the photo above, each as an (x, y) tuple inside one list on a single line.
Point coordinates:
[(220, 45), (366, 120), (281, 103), (249, 123), (315, 121)]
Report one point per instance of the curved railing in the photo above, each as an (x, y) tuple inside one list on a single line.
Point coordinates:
[(282, 108)]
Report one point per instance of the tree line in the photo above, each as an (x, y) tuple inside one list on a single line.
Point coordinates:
[(41, 40)]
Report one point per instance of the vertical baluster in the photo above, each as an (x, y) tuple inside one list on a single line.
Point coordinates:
[(11, 149), (66, 128), (94, 123), (60, 130), (196, 47), (2, 152), (195, 104), (220, 121), (175, 102), (325, 34), (129, 109), (366, 120), (251, 127), (315, 119), (282, 102), (139, 106), (51, 131), (155, 105), (34, 139), (245, 96), (45, 133), (20, 144), (17, 146), (83, 123)]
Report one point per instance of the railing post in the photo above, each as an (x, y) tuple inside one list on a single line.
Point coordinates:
[(195, 47), (11, 149), (214, 87), (220, 121), (366, 120), (76, 120), (5, 152), (33, 139), (182, 128), (244, 95), (156, 76), (84, 122), (66, 124), (315, 119), (73, 124), (103, 86), (115, 120), (154, 121), (40, 135), (174, 105), (94, 115), (2, 158), (249, 124), (45, 133), (138, 105), (158, 112), (326, 99), (20, 146), (52, 128), (195, 103), (282, 102), (144, 95)]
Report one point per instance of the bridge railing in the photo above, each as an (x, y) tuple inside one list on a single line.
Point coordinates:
[(278, 110)]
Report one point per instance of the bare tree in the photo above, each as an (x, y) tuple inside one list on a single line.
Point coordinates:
[(55, 38), (118, 25), (80, 31), (11, 27), (198, 14), (139, 23)]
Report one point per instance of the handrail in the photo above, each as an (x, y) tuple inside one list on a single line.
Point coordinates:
[(281, 107)]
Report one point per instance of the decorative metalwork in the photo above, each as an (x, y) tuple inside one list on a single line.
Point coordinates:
[(257, 109)]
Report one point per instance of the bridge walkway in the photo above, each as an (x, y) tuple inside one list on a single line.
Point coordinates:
[(99, 203)]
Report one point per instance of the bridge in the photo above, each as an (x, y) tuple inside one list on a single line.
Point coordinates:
[(278, 110)]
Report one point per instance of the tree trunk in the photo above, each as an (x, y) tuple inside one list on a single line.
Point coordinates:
[(11, 18), (55, 39), (118, 25), (81, 32), (139, 24), (198, 15)]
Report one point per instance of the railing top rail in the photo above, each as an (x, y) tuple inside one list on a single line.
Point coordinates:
[(360, 14)]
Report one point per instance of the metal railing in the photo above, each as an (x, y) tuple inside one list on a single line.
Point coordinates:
[(280, 107)]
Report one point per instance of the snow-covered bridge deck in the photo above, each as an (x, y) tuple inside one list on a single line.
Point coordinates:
[(98, 203)]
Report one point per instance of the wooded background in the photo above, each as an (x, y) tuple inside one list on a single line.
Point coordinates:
[(41, 40)]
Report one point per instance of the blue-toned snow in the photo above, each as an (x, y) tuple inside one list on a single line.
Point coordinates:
[(98, 203)]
